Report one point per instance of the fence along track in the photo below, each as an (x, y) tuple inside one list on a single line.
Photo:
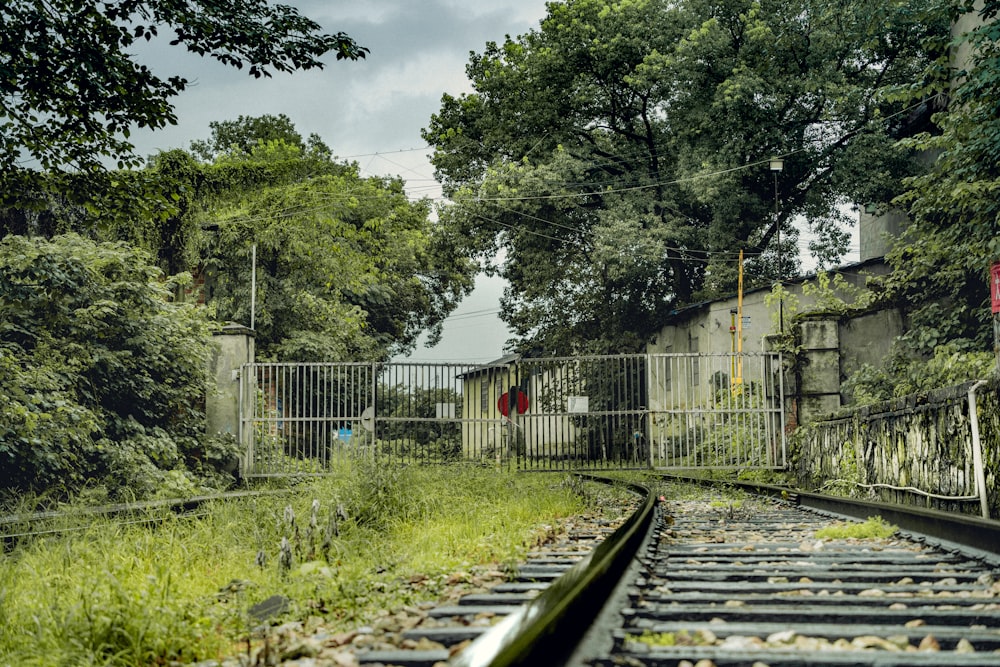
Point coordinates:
[(665, 411)]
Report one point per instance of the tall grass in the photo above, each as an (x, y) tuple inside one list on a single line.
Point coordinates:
[(341, 548)]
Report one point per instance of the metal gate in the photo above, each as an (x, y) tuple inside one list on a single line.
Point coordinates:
[(629, 411)]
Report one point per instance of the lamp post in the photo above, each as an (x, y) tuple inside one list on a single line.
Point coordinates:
[(776, 165)]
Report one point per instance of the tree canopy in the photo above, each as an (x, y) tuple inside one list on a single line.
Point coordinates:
[(71, 89), (617, 158), (941, 265), (348, 268)]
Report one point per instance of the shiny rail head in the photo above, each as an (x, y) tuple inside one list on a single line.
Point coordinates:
[(540, 632)]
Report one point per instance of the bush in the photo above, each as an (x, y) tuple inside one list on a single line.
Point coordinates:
[(902, 375), (102, 376)]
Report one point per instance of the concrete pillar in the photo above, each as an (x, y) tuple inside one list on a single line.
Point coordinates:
[(233, 346), (819, 373)]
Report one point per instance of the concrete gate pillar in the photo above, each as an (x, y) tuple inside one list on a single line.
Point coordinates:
[(233, 346), (819, 373)]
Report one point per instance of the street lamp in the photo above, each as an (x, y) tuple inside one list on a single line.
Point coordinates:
[(776, 165)]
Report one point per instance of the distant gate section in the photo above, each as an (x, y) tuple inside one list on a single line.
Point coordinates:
[(601, 412)]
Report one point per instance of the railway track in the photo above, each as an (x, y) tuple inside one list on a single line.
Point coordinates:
[(724, 582), (752, 584), (30, 525)]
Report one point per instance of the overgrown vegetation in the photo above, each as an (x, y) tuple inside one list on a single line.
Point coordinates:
[(102, 375), (941, 265), (872, 528), (912, 367), (341, 549), (900, 374)]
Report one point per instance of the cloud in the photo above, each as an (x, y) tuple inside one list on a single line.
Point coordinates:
[(370, 111), (418, 52)]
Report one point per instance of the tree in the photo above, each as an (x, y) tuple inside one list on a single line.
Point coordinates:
[(347, 267), (241, 136), (102, 377), (71, 90), (941, 264), (618, 156)]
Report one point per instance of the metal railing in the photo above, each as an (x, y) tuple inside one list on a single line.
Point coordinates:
[(716, 411), (600, 412)]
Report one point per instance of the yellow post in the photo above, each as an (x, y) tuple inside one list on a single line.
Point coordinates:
[(738, 379), (732, 346)]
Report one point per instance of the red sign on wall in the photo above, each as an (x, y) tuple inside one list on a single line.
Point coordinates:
[(995, 288), (504, 403)]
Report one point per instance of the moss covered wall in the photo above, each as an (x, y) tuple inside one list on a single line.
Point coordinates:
[(922, 441)]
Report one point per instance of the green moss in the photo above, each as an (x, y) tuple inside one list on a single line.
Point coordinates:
[(657, 638), (680, 638), (873, 528)]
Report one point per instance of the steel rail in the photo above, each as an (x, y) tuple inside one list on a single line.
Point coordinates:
[(178, 505), (546, 630), (968, 531)]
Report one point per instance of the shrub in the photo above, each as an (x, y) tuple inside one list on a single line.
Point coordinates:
[(901, 374), (102, 376)]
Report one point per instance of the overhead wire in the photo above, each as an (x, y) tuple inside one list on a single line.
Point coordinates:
[(717, 256)]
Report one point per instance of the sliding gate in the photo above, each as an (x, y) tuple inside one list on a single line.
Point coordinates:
[(675, 411)]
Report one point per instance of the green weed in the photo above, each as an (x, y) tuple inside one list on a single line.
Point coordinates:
[(872, 528), (123, 592)]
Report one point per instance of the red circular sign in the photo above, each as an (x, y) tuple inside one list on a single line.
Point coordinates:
[(503, 405)]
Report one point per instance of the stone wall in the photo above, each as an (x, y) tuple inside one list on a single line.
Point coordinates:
[(922, 441), (831, 348)]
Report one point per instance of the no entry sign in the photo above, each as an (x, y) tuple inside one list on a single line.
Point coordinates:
[(504, 403)]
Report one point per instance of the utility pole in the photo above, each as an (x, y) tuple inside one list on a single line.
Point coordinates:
[(776, 165)]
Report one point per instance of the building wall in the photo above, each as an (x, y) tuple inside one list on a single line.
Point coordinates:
[(813, 388), (705, 327), (482, 423), (867, 339), (878, 233), (544, 429)]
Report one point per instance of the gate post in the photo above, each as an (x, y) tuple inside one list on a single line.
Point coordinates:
[(233, 346), (819, 374)]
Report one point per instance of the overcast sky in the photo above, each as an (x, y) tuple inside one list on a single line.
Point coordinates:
[(369, 111)]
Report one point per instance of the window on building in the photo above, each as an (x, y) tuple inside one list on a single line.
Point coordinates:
[(695, 361)]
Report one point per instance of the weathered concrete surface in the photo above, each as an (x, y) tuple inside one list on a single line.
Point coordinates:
[(922, 441), (233, 346)]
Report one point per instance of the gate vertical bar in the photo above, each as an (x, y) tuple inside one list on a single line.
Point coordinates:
[(375, 412), (246, 463), (781, 409)]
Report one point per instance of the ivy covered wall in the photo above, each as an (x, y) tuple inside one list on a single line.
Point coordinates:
[(922, 441)]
